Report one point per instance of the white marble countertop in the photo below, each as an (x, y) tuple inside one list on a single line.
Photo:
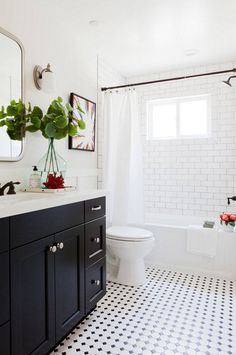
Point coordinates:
[(23, 202)]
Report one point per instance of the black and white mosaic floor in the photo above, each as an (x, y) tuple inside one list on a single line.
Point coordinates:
[(174, 313)]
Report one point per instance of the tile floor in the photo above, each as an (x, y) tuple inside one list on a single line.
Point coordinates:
[(174, 313)]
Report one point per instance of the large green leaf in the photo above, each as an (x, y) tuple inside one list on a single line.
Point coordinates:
[(36, 122), (50, 129), (60, 134), (60, 121), (37, 112), (72, 130), (31, 129), (20, 107), (15, 135), (59, 99), (12, 110), (81, 124)]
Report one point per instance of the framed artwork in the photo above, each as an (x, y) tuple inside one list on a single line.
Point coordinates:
[(85, 138)]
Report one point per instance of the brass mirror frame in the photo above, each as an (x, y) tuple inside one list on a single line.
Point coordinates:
[(15, 39)]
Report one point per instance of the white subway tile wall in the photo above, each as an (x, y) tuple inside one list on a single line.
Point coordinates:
[(188, 176)]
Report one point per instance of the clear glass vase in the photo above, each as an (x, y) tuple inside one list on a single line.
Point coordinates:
[(51, 163)]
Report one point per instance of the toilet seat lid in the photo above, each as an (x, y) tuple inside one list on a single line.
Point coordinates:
[(128, 233)]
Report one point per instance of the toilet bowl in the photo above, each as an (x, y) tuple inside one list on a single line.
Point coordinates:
[(126, 249)]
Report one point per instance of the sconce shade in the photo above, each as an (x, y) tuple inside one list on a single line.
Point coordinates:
[(43, 78)]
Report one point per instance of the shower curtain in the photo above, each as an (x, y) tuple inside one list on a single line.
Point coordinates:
[(122, 158)]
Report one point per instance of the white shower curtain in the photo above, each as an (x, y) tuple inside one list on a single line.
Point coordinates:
[(122, 158)]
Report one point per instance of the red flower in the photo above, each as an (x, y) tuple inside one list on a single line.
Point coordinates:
[(54, 182), (225, 217)]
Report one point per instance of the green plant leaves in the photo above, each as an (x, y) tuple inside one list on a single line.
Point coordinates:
[(80, 109), (72, 130), (37, 112), (31, 129), (61, 122), (57, 123), (50, 129), (81, 124), (60, 134), (36, 122), (12, 111), (69, 107)]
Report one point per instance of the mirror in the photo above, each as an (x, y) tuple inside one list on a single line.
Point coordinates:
[(11, 87)]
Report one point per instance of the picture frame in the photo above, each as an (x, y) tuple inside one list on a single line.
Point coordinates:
[(84, 139)]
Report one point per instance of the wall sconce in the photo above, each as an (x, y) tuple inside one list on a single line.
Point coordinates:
[(43, 78)]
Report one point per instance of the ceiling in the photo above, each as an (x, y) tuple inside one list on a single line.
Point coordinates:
[(145, 36)]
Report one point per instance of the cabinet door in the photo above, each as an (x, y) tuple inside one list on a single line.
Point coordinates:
[(69, 279), (32, 298)]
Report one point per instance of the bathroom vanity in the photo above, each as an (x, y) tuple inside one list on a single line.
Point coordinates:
[(52, 267)]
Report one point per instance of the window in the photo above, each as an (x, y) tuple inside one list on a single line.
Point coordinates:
[(178, 117)]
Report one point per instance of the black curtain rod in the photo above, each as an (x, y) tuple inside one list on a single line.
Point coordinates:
[(169, 79)]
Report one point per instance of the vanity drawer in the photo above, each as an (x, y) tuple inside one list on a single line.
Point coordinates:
[(95, 208), (4, 288), (95, 284), (31, 226), (4, 228), (5, 339), (95, 241)]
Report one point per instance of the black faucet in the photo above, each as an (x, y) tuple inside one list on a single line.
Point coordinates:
[(11, 186), (233, 198)]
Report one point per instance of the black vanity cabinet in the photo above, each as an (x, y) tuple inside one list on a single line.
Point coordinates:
[(57, 263)]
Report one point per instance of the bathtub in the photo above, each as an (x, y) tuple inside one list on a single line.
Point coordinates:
[(170, 250)]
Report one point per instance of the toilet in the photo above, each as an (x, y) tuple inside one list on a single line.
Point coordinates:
[(126, 249)]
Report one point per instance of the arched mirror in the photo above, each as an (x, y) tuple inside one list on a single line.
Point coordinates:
[(11, 87)]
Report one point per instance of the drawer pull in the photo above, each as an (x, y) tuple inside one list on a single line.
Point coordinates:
[(52, 249), (60, 246), (96, 208), (96, 240), (96, 282)]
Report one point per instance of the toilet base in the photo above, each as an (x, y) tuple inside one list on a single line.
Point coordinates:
[(130, 273)]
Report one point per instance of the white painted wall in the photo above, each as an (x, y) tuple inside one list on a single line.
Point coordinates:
[(191, 176), (48, 39)]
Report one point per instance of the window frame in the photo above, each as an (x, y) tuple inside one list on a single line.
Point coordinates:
[(150, 104)]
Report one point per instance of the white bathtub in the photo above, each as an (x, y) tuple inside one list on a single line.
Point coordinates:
[(170, 249)]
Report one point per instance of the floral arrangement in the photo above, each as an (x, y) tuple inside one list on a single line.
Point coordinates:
[(54, 182), (227, 218)]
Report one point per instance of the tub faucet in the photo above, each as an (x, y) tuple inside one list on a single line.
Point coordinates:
[(233, 198), (11, 186)]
